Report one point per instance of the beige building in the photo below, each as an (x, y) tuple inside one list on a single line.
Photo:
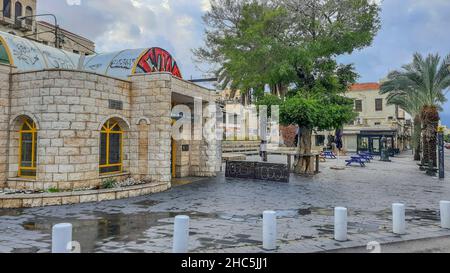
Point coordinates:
[(40, 31), (376, 120), (68, 122)]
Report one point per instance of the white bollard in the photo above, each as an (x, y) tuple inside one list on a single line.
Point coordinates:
[(398, 219), (445, 214), (269, 230), (181, 234), (340, 224), (62, 238)]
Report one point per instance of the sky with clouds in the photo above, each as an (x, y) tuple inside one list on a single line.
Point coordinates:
[(408, 26)]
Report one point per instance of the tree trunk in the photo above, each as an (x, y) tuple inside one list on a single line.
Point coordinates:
[(416, 137), (305, 165), (430, 119), (425, 154)]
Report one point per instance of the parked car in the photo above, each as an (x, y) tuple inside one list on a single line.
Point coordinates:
[(447, 146)]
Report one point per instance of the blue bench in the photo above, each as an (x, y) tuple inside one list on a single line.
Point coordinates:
[(367, 154), (329, 154), (361, 161), (368, 158)]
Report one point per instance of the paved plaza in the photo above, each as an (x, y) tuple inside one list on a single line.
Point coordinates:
[(226, 215)]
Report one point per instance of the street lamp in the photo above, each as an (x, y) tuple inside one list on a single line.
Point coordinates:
[(41, 15)]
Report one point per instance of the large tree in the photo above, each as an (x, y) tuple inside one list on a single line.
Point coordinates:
[(420, 87), (290, 46)]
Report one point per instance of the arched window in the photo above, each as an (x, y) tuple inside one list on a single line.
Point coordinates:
[(27, 148), (29, 12), (111, 143), (7, 8), (18, 10)]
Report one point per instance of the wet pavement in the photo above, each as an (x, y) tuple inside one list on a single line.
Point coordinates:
[(226, 215)]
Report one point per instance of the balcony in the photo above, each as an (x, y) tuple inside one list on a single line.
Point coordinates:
[(23, 25), (5, 21)]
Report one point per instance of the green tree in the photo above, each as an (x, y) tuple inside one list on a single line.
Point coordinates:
[(447, 138), (421, 86), (291, 46)]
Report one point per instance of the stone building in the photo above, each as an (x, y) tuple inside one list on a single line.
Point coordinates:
[(376, 119), (69, 121), (40, 31)]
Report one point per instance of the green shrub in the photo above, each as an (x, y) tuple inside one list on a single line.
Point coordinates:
[(447, 138), (109, 183), (53, 190)]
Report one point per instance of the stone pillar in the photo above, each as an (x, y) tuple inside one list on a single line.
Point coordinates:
[(143, 128), (152, 100), (208, 153), (4, 121), (219, 138)]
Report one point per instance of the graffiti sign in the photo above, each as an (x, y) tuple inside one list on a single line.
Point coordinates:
[(125, 63), (25, 53), (257, 170), (158, 60)]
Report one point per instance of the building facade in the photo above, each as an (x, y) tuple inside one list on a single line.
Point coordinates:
[(376, 120), (40, 31), (69, 122)]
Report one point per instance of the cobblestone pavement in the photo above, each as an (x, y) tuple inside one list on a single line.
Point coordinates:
[(226, 215)]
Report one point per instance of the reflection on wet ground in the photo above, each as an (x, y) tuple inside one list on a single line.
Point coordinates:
[(228, 213)]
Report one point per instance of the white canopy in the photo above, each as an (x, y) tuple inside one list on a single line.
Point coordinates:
[(28, 55)]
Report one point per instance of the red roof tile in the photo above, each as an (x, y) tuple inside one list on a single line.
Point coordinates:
[(365, 86)]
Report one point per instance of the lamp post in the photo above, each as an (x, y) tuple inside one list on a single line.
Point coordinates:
[(42, 15), (440, 136)]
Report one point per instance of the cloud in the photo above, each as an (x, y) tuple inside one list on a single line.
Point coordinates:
[(408, 26), (175, 25)]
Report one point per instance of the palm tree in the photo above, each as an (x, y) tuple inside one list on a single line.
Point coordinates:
[(408, 101), (420, 89)]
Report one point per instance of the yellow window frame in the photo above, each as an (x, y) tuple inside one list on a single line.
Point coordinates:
[(108, 129), (33, 132)]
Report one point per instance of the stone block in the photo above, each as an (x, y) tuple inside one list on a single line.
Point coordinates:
[(32, 202), (70, 200), (51, 201), (122, 194), (12, 203), (88, 198), (106, 196)]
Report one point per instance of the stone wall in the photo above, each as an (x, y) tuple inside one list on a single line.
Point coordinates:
[(69, 108), (289, 133), (202, 159), (4, 121), (151, 99)]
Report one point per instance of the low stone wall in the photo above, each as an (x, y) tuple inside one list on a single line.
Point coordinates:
[(71, 198), (240, 146)]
